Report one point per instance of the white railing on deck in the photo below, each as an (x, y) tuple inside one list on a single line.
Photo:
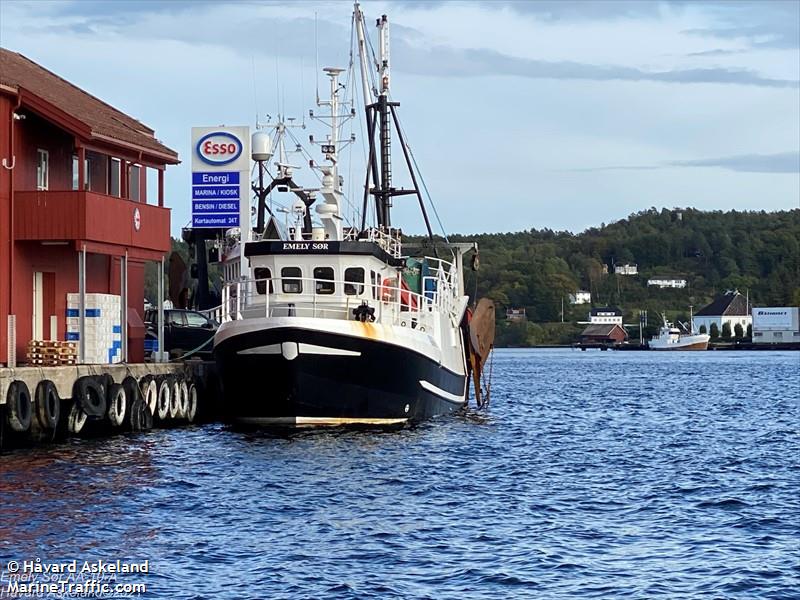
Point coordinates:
[(392, 304), (388, 239)]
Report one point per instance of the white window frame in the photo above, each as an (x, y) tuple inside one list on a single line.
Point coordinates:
[(115, 163), (42, 173)]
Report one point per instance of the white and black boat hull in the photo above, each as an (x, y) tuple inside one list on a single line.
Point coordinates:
[(293, 376)]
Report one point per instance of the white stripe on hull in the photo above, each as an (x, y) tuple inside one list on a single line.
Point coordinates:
[(427, 385)]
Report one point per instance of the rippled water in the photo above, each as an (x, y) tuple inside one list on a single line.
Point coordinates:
[(593, 475)]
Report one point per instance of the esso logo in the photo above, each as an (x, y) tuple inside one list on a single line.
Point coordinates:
[(219, 148)]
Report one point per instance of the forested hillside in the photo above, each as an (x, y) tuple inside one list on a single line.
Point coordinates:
[(755, 252)]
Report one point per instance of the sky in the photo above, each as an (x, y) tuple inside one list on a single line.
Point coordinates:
[(558, 114)]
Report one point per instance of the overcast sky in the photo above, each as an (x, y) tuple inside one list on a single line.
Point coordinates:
[(559, 114)]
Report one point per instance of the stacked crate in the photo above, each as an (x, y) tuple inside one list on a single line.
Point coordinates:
[(103, 335), (52, 353)]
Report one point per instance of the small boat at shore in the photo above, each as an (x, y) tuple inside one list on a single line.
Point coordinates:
[(673, 337)]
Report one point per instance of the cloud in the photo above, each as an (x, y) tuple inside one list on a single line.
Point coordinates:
[(782, 162), (293, 37), (451, 62)]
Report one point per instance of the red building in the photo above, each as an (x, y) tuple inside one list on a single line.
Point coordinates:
[(73, 179)]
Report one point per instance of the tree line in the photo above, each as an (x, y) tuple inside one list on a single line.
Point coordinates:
[(756, 252)]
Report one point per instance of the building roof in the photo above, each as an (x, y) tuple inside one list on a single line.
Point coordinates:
[(729, 304), (601, 330), (606, 309), (26, 77)]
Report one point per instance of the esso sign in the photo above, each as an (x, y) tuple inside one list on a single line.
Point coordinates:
[(219, 148)]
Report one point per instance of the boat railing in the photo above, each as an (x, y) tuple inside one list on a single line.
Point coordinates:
[(390, 303), (388, 239)]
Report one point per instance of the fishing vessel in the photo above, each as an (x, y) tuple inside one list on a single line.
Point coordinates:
[(674, 337), (330, 323)]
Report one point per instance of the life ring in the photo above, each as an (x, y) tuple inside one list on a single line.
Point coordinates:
[(77, 418), (191, 407), (175, 399), (48, 405), (91, 394), (117, 404), (164, 393), (183, 406), (18, 406)]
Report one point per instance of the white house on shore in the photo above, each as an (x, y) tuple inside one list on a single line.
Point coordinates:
[(666, 282), (626, 269), (580, 297), (731, 308), (606, 315)]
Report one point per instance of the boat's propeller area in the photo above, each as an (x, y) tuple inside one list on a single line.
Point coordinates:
[(481, 326)]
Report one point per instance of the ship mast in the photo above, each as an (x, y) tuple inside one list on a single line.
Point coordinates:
[(380, 115)]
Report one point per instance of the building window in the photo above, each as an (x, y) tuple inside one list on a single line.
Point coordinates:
[(323, 280), (354, 275), (87, 173), (113, 177), (263, 279), (134, 180), (290, 281), (42, 169)]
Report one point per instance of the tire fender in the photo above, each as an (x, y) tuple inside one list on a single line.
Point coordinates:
[(175, 398), (90, 393), (164, 395), (191, 406), (117, 404), (48, 405), (19, 411)]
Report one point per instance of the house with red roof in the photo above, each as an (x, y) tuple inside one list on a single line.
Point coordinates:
[(73, 200)]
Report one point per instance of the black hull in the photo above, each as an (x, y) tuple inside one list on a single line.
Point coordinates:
[(375, 383)]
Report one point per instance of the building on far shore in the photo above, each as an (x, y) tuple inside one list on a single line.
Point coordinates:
[(580, 297), (604, 334), (626, 269), (666, 282), (731, 308), (606, 315), (516, 314), (776, 325)]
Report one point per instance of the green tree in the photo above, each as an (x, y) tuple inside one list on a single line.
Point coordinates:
[(738, 331), (714, 332), (703, 329), (750, 330), (726, 329)]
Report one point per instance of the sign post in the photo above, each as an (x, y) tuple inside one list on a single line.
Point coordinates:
[(221, 178)]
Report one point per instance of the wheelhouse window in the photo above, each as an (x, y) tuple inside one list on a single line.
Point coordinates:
[(290, 280), (263, 280), (42, 169), (323, 280), (353, 276), (375, 280)]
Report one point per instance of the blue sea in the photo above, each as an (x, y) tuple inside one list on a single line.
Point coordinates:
[(591, 475)]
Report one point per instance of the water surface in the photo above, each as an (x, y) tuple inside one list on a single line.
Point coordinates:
[(593, 475)]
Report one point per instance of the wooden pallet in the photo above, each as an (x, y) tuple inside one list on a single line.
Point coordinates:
[(52, 353)]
